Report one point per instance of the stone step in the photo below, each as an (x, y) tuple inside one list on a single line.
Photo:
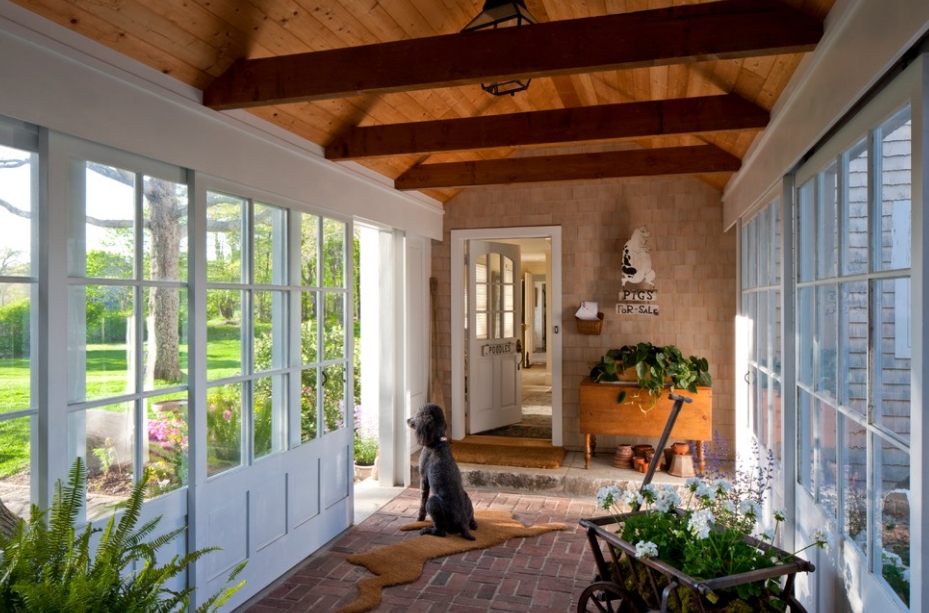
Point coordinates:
[(570, 479)]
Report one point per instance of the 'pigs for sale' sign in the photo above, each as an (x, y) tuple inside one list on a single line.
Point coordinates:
[(637, 302)]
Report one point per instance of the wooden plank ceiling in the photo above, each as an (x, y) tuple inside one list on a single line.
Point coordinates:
[(619, 87)]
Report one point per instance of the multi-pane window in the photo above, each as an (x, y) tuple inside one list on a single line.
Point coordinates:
[(761, 305), (18, 303), (495, 290), (255, 280), (324, 359), (854, 339), (247, 323), (127, 322)]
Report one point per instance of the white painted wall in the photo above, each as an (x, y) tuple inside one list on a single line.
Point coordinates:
[(66, 83), (863, 40)]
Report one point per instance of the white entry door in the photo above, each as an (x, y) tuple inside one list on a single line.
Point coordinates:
[(494, 324)]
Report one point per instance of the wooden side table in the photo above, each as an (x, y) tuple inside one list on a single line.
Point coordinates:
[(600, 413)]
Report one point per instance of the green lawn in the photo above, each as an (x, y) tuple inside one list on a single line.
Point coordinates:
[(106, 376), (14, 383), (223, 351), (14, 446)]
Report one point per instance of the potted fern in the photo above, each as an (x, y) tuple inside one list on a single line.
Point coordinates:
[(51, 565)]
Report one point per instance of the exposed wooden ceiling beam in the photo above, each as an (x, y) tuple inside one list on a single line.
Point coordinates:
[(702, 159), (630, 120), (680, 34)]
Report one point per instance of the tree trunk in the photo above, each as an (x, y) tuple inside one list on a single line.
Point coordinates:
[(165, 265), (9, 521)]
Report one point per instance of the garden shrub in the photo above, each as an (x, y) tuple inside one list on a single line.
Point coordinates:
[(14, 329)]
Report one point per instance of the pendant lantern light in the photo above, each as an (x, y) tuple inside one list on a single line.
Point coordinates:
[(502, 14)]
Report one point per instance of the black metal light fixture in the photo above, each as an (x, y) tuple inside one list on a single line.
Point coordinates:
[(502, 14)]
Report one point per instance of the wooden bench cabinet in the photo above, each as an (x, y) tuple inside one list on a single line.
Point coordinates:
[(602, 414)]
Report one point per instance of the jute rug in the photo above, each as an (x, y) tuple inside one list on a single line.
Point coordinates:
[(506, 455), (403, 562)]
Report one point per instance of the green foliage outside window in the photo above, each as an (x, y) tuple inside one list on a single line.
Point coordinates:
[(168, 445), (224, 430), (332, 389), (14, 329)]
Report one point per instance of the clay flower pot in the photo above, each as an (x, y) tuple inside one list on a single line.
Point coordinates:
[(681, 448), (623, 456)]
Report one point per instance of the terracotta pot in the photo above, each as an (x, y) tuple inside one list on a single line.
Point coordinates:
[(668, 453), (648, 461), (363, 471), (681, 448), (640, 450), (623, 456)]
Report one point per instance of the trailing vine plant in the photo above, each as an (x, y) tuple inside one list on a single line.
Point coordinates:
[(656, 369)]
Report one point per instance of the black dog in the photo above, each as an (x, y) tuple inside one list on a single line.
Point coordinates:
[(449, 505)]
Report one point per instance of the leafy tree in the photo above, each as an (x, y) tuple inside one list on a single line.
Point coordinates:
[(11, 265)]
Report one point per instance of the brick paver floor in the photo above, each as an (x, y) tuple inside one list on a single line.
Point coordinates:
[(540, 574)]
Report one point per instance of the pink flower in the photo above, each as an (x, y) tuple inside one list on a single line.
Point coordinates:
[(227, 414)]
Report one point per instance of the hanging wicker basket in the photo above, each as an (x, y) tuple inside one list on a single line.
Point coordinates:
[(589, 326)]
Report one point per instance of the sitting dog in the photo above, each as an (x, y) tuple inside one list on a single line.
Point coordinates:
[(448, 505)]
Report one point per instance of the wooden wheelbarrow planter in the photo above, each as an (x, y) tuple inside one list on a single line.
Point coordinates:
[(609, 592)]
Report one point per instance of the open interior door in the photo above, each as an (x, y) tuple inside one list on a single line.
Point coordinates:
[(494, 331)]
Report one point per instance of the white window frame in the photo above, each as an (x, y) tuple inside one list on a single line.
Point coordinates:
[(864, 589)]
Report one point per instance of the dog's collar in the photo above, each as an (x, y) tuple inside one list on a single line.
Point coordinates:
[(444, 439)]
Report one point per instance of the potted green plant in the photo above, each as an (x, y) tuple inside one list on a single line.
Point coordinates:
[(653, 368), (365, 455), (365, 443), (365, 449)]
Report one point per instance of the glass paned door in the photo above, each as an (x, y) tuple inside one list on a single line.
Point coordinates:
[(761, 321), (495, 350), (854, 345)]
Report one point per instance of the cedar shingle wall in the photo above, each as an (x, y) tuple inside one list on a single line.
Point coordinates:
[(694, 261)]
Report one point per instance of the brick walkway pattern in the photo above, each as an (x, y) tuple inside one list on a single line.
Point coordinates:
[(543, 574)]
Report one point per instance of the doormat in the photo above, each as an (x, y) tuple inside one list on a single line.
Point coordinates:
[(530, 426), (403, 562), (506, 455)]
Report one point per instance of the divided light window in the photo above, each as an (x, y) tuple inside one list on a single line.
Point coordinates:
[(761, 305), (19, 169), (854, 339), (247, 306), (324, 295), (276, 378), (127, 323), (494, 300)]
